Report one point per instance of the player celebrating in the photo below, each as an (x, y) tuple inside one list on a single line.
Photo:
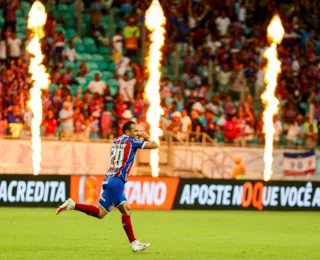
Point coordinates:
[(123, 151)]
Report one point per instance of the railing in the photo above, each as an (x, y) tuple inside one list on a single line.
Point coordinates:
[(170, 138)]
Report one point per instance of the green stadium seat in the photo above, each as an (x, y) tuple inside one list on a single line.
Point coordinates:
[(74, 90), (105, 19), (92, 66), (78, 62), (112, 67), (102, 65), (53, 88), (71, 8), (219, 136), (86, 18), (69, 64), (62, 8), (82, 81), (87, 57), (305, 107), (80, 48), (84, 30), (113, 90), (93, 72), (59, 28), (21, 36), (107, 74), (19, 13), (22, 30), (113, 83), (88, 41), (283, 140), (79, 57), (110, 106), (104, 50), (74, 72), (25, 7), (98, 57), (91, 49), (77, 40), (21, 22), (89, 78), (255, 140), (69, 22)]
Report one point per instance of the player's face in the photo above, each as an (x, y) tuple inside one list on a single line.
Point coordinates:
[(134, 132)]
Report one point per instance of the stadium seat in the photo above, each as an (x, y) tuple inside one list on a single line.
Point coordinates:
[(91, 48), (110, 106), (283, 140), (98, 57), (113, 83), (104, 50), (74, 89), (92, 66), (80, 48), (77, 40), (69, 64), (62, 8), (87, 57), (112, 67), (25, 7), (93, 72), (102, 65), (107, 74), (86, 18), (21, 36), (81, 81), (88, 41), (89, 78), (113, 90), (79, 61), (79, 57), (19, 13), (53, 88), (59, 28), (21, 22), (219, 136)]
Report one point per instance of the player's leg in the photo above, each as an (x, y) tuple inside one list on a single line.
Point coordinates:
[(91, 210), (125, 210)]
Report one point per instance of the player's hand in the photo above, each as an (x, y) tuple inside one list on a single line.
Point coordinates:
[(144, 136)]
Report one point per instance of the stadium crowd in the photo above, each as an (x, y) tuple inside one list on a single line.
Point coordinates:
[(231, 35)]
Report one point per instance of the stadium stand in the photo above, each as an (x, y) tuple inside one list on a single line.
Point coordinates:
[(212, 69)]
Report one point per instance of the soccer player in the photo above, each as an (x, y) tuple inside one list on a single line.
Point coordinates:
[(123, 151)]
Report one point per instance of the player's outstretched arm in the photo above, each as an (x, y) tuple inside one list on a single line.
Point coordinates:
[(149, 144)]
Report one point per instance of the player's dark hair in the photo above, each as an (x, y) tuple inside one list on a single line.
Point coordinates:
[(127, 126)]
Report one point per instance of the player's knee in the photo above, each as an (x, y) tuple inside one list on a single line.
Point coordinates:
[(127, 212)]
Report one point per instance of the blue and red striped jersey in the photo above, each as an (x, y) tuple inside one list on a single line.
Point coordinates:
[(122, 156)]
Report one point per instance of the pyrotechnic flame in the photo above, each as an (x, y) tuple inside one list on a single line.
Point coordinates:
[(155, 22), (36, 21), (272, 69)]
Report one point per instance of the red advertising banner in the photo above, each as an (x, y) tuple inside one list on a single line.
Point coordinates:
[(141, 192)]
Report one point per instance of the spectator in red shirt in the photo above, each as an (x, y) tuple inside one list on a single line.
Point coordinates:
[(50, 124), (106, 123), (120, 106), (231, 130)]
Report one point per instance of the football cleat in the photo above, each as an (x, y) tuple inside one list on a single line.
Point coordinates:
[(67, 205), (139, 246)]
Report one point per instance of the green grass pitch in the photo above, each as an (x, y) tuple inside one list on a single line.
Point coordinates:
[(37, 233)]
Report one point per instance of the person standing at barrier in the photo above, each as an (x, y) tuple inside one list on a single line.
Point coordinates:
[(239, 171), (123, 152)]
